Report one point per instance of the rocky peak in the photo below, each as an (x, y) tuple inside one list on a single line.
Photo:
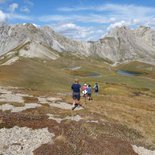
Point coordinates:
[(119, 45), (147, 34), (118, 32), (144, 28)]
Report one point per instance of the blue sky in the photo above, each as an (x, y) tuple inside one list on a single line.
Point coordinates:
[(79, 19)]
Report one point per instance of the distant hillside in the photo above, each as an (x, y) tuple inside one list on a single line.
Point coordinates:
[(120, 45)]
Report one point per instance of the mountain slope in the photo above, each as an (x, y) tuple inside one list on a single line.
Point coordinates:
[(28, 50), (13, 36), (119, 45)]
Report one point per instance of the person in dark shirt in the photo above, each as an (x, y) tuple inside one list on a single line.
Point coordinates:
[(96, 88), (76, 93)]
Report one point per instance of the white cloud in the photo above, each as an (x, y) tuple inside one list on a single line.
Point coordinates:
[(70, 9), (2, 16), (136, 21), (13, 16), (18, 17), (98, 19), (112, 19), (27, 6), (119, 8), (13, 7), (111, 15), (58, 18), (30, 3), (93, 18), (25, 9), (74, 31), (108, 14), (117, 11), (117, 24)]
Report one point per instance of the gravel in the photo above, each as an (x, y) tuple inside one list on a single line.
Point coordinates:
[(142, 150), (23, 141), (5, 107), (56, 102), (73, 118)]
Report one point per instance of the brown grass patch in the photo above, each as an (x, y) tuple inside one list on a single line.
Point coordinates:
[(30, 99)]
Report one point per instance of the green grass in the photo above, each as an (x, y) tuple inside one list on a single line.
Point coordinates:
[(53, 75), (146, 70), (122, 99)]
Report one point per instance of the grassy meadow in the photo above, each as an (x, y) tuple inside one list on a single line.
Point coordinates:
[(125, 100)]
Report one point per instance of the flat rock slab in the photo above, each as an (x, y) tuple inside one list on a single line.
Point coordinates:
[(56, 102), (56, 118), (23, 141), (143, 151), (6, 107)]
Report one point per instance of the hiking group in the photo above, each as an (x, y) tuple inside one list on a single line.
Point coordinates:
[(86, 91)]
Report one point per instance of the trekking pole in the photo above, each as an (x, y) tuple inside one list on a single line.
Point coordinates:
[(85, 98)]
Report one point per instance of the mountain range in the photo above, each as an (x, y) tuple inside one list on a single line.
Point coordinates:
[(119, 45)]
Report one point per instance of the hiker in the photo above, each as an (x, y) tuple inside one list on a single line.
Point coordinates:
[(96, 88), (76, 93), (84, 91), (89, 91)]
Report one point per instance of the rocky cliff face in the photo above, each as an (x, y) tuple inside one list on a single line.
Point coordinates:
[(123, 44), (119, 45), (147, 34)]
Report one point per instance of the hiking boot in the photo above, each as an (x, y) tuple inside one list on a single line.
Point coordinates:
[(76, 105)]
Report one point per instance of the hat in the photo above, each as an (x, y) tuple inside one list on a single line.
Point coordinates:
[(85, 84)]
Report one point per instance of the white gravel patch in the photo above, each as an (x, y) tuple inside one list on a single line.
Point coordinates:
[(11, 61), (5, 90), (23, 95), (7, 95), (64, 105), (52, 99), (75, 68), (48, 99), (42, 100), (5, 107), (142, 150), (56, 102), (73, 118), (93, 121), (51, 116), (23, 141), (11, 98), (61, 105)]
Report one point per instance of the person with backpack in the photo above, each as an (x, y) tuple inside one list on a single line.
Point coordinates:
[(76, 93), (89, 92), (84, 90), (96, 88)]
